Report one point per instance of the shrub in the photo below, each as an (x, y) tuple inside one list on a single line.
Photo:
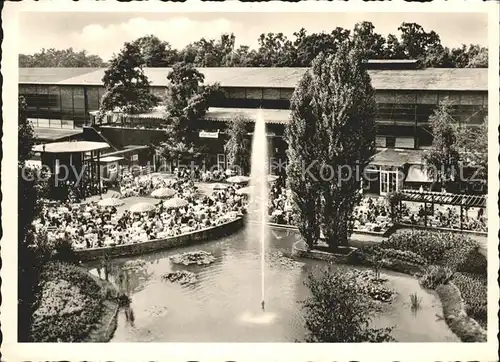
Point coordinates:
[(338, 310), (402, 255), (435, 247), (475, 294), (435, 275)]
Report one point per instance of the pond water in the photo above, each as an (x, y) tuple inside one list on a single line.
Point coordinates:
[(224, 305)]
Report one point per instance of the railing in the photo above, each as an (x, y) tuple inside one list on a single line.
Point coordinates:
[(51, 123)]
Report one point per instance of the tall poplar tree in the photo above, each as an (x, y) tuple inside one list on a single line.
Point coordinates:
[(237, 146), (301, 134), (335, 103)]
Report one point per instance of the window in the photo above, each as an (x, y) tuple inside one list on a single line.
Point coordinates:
[(390, 141)]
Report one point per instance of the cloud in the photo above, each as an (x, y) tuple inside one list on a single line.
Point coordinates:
[(179, 31)]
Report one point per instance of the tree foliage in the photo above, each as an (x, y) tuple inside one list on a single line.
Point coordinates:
[(65, 58), (301, 135), (186, 101), (472, 143), (443, 158), (277, 50), (155, 52), (338, 311), (126, 85), (237, 147)]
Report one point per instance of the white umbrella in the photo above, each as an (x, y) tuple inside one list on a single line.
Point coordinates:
[(163, 193), (272, 178), (142, 207), (220, 186), (175, 203), (111, 202), (238, 179), (245, 190), (112, 195)]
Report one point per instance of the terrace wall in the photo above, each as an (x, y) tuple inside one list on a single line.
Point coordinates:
[(161, 244)]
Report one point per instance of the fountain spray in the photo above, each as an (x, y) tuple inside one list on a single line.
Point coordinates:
[(259, 190)]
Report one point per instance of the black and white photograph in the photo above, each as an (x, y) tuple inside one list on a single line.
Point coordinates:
[(252, 177)]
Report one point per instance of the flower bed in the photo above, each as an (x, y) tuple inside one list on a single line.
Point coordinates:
[(198, 257), (181, 276), (69, 305), (373, 286), (475, 294)]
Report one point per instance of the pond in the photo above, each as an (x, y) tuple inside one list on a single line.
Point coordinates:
[(224, 305)]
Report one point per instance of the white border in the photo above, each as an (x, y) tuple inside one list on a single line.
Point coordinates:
[(13, 351)]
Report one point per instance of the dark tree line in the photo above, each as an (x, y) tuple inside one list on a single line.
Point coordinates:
[(276, 50)]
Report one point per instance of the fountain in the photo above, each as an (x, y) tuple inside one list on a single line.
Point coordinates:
[(258, 198)]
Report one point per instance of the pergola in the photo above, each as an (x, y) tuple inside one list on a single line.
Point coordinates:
[(429, 197)]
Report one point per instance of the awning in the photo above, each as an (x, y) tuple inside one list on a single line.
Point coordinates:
[(417, 173), (397, 157), (110, 159)]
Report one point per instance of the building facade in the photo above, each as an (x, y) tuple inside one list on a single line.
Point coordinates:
[(406, 98)]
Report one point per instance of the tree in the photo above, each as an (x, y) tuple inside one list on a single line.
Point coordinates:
[(308, 47), (65, 58), (275, 50), (155, 53), (126, 85), (301, 134), (478, 59), (344, 107), (472, 143), (338, 311), (237, 146), (393, 48), (186, 102), (416, 41), (31, 190), (442, 160), (395, 201), (370, 44)]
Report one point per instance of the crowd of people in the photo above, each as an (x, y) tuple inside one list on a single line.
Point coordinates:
[(89, 225)]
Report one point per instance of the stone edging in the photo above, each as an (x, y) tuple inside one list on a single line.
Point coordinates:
[(466, 328), (161, 244), (300, 252)]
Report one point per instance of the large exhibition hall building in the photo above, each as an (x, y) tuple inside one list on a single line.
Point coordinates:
[(62, 101)]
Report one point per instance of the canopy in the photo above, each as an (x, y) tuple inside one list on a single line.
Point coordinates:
[(238, 179), (175, 203), (163, 193), (417, 174), (142, 207), (111, 202)]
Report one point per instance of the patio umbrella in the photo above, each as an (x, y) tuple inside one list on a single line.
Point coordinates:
[(220, 186), (272, 178), (163, 193), (238, 179), (112, 195), (175, 203), (111, 202), (142, 207), (245, 190)]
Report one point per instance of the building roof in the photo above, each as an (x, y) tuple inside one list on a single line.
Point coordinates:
[(51, 75), (442, 79), (71, 147), (397, 157), (54, 134)]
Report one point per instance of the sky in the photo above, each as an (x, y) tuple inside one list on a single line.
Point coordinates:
[(104, 33)]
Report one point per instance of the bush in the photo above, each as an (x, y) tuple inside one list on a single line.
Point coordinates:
[(435, 275), (435, 247), (402, 255), (475, 294), (339, 310)]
